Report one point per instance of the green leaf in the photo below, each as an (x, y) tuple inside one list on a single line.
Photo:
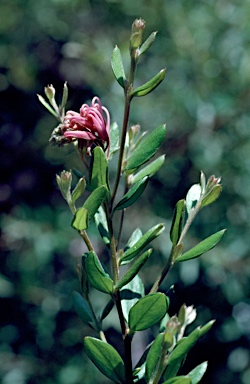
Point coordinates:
[(99, 169), (109, 306), (204, 246), (149, 170), (47, 106), (130, 294), (80, 219), (98, 278), (147, 43), (179, 353), (136, 235), (197, 373), (94, 201), (79, 189), (101, 224), (64, 96), (150, 85), (114, 139), (134, 269), (177, 223), (153, 357), (203, 330), (212, 195), (117, 66), (82, 308), (179, 380), (193, 196), (141, 243), (147, 311), (106, 358), (133, 194), (147, 148)]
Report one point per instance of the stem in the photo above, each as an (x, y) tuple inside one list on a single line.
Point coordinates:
[(122, 145), (86, 239), (127, 90), (171, 261), (128, 359), (123, 213), (82, 233), (190, 219), (127, 339), (163, 273)]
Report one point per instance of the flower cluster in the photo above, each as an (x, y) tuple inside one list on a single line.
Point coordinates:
[(88, 127)]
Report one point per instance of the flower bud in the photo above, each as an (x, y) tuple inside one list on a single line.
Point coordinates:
[(50, 92), (64, 184), (173, 325), (136, 36), (212, 191), (138, 25), (212, 182), (133, 132)]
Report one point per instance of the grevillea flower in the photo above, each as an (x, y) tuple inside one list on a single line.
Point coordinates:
[(91, 125)]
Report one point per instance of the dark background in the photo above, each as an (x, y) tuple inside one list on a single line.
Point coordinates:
[(204, 101)]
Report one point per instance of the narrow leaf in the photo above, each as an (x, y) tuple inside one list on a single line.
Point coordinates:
[(147, 43), (136, 235), (80, 219), (150, 85), (94, 201), (109, 306), (133, 194), (179, 380), (204, 246), (101, 224), (179, 354), (203, 330), (47, 106), (82, 308), (212, 195), (98, 278), (149, 170), (114, 139), (141, 243), (147, 311), (153, 357), (130, 294), (79, 189), (117, 66), (106, 358), (147, 148), (134, 269), (99, 169), (177, 223), (197, 373), (65, 95)]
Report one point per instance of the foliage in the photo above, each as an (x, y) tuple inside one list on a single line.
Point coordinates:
[(90, 133), (204, 101)]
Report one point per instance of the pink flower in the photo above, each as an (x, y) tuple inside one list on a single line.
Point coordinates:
[(89, 125)]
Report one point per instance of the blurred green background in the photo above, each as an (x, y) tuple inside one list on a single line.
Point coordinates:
[(204, 101)]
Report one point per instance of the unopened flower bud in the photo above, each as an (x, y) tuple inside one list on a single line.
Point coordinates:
[(136, 36), (212, 190), (133, 131), (138, 25), (173, 325), (50, 92), (64, 184), (212, 182)]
